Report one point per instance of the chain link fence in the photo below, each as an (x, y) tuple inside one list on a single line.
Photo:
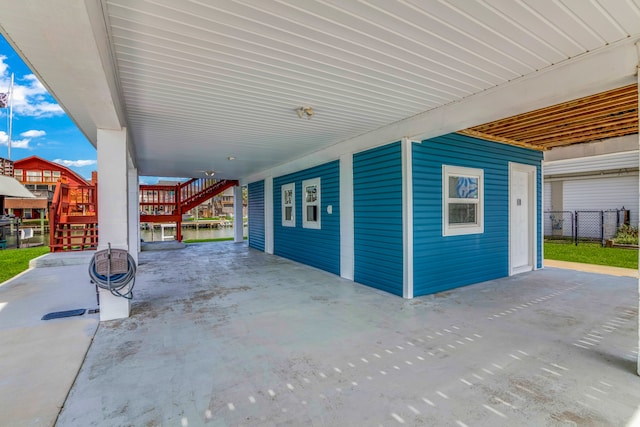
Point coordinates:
[(577, 226)]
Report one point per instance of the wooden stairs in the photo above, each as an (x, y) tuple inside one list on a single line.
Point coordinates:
[(73, 218), (167, 203), (73, 215)]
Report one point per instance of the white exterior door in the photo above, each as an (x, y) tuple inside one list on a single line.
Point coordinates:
[(522, 218)]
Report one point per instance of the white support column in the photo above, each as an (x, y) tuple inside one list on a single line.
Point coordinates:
[(542, 221), (238, 220), (113, 213), (346, 217), (407, 217), (268, 215), (637, 225), (134, 213)]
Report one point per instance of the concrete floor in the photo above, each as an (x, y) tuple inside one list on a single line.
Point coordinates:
[(39, 359), (224, 335)]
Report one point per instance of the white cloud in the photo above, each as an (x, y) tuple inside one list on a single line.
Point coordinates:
[(3, 66), (15, 143), (30, 97), (76, 163), (33, 133), (20, 143)]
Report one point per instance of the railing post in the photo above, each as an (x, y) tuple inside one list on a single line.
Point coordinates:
[(179, 210)]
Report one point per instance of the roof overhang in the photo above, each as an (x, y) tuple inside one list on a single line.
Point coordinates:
[(10, 187)]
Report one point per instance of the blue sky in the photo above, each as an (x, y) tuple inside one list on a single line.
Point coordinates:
[(40, 126)]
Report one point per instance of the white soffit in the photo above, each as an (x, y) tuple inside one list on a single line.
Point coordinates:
[(203, 80)]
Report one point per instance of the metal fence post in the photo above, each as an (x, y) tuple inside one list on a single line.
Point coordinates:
[(576, 224), (602, 228)]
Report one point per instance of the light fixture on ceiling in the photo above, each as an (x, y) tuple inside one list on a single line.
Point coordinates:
[(305, 112), (231, 158), (209, 172)]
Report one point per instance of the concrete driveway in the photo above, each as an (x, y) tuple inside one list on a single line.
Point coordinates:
[(224, 335)]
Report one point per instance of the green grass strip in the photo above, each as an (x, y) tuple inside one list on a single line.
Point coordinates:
[(15, 261), (591, 253)]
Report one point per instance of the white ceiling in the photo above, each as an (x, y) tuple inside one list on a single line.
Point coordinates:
[(198, 81)]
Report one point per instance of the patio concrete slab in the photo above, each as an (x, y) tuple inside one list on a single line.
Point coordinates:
[(161, 246), (224, 335), (39, 360), (59, 259)]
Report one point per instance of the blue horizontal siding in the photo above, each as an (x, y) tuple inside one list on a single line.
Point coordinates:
[(377, 205), (318, 248), (442, 263), (256, 214)]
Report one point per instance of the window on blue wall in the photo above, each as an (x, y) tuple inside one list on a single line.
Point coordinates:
[(311, 203), (289, 205), (462, 200)]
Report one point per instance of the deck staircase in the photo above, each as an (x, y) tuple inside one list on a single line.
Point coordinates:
[(167, 203), (73, 215), (73, 218)]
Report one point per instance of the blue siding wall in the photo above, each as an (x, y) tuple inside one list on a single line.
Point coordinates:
[(318, 248), (256, 214), (377, 204), (442, 263)]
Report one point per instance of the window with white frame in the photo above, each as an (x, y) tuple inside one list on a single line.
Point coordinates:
[(289, 205), (34, 176), (311, 203), (462, 200)]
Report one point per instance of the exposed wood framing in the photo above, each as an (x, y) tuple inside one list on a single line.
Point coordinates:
[(500, 139), (603, 115)]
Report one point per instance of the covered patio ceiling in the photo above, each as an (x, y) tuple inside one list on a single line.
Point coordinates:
[(196, 83)]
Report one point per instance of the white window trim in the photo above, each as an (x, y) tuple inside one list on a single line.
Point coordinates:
[(461, 229), (292, 221), (318, 203)]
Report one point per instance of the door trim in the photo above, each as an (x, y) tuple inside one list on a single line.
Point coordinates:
[(533, 216)]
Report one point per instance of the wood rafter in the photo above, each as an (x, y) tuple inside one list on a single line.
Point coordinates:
[(494, 138), (603, 115)]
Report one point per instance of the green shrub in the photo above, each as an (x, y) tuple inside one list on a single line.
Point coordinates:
[(627, 235)]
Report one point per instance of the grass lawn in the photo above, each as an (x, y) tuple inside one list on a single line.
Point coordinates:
[(14, 261), (591, 253)]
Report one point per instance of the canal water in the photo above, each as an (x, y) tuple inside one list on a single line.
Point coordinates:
[(146, 235), (155, 235)]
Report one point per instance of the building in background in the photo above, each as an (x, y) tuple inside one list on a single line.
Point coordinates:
[(40, 176), (595, 176), (6, 167)]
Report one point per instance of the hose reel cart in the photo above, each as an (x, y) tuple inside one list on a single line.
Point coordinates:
[(114, 270)]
